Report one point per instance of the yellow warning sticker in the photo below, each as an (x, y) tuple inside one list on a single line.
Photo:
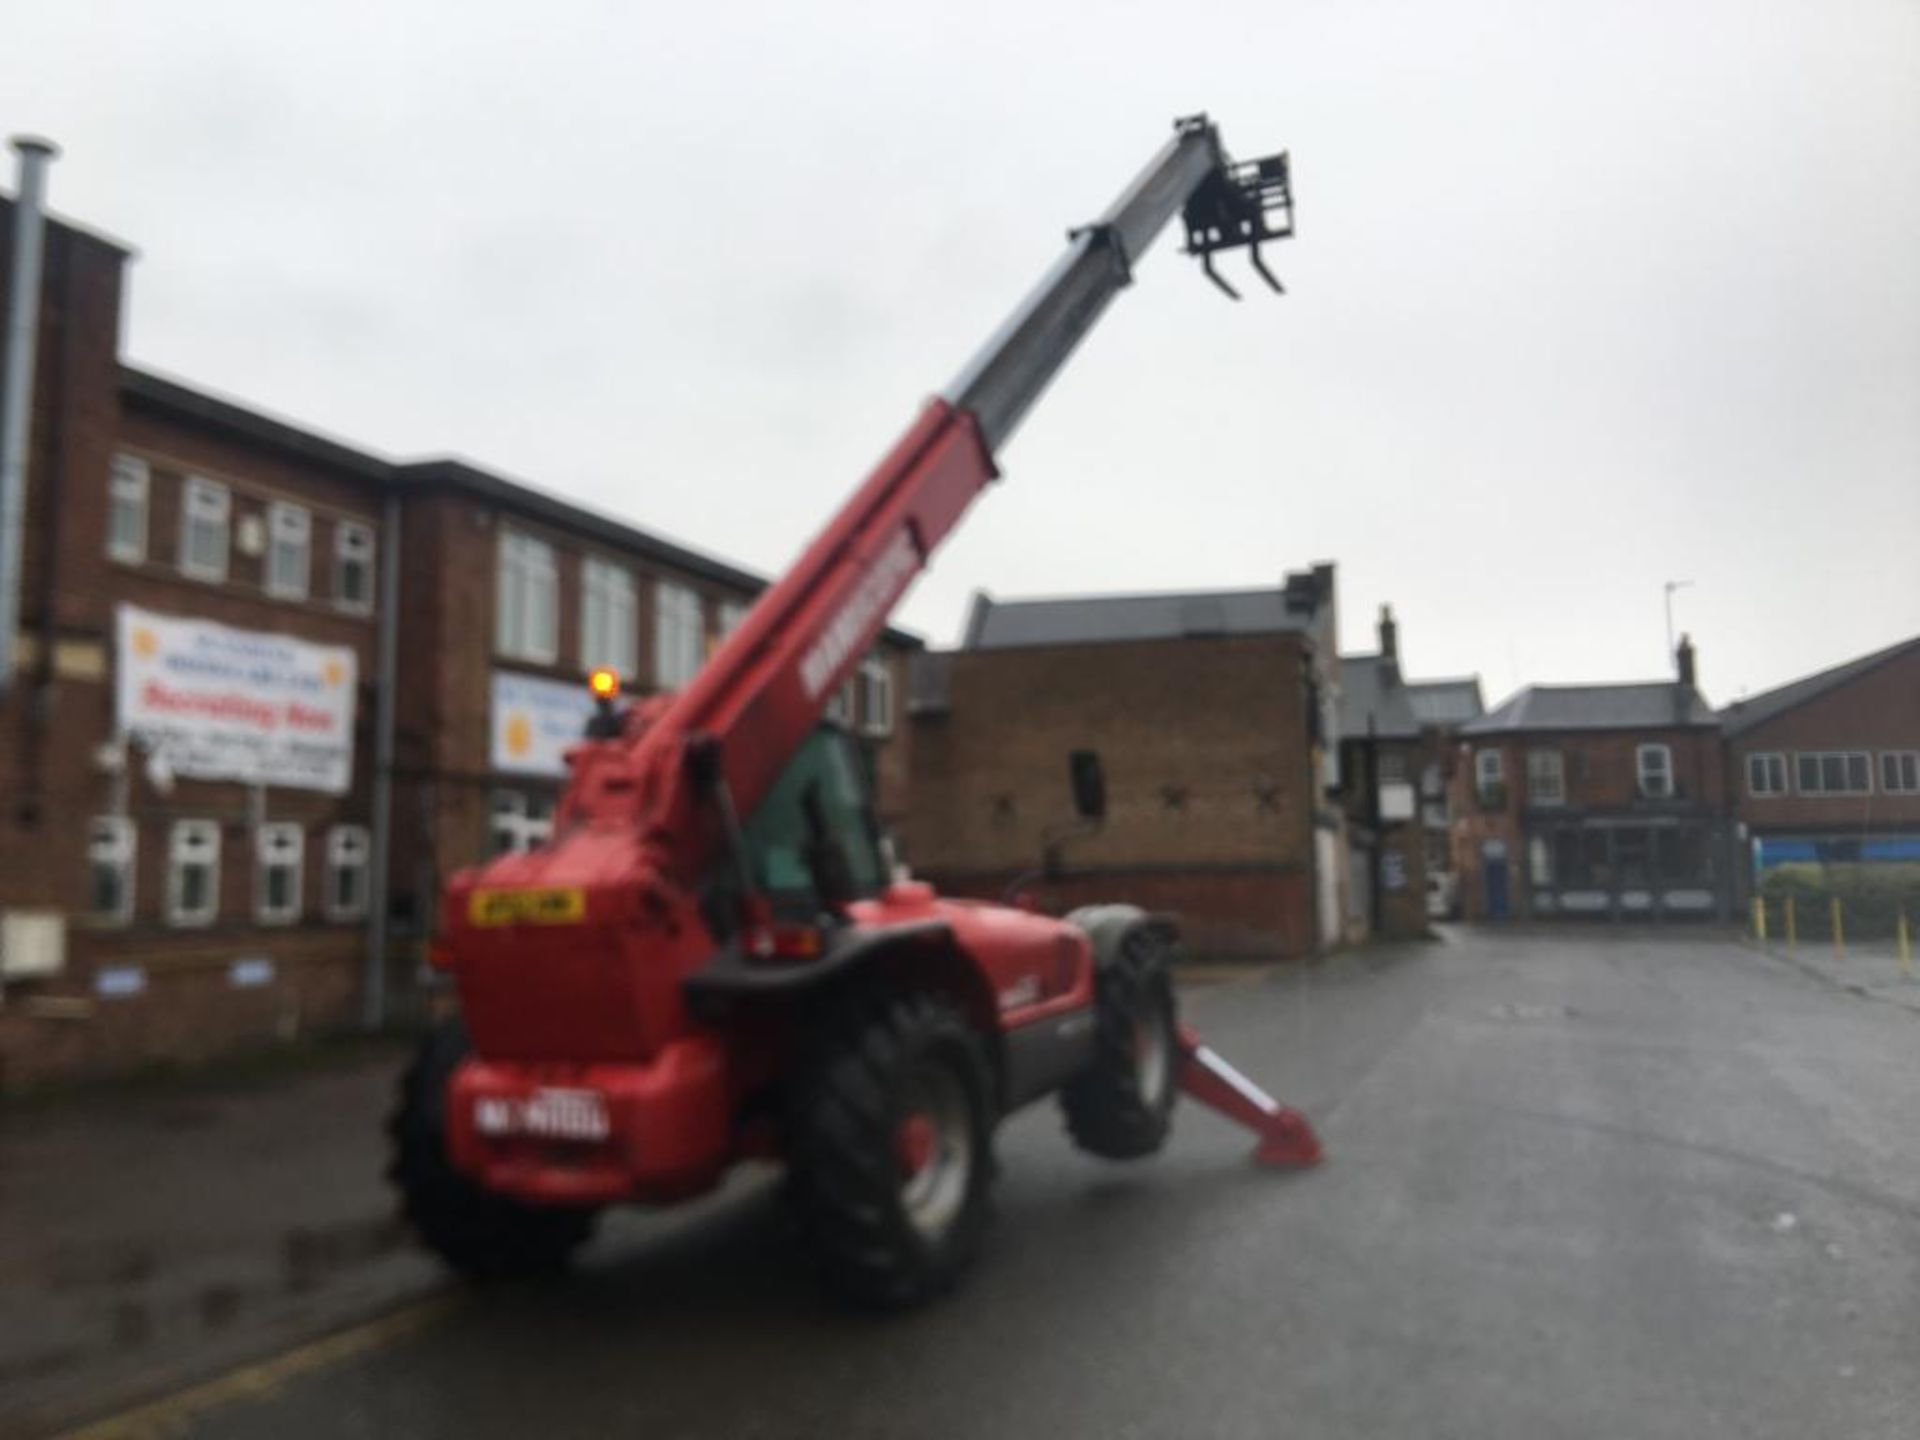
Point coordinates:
[(527, 907)]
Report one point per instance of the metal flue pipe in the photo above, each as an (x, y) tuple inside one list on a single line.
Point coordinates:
[(16, 382)]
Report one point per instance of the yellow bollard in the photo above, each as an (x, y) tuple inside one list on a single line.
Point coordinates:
[(1792, 938), (1906, 946), (1839, 930), (1760, 919)]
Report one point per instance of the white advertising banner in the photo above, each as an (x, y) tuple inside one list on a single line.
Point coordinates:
[(226, 704), (534, 721)]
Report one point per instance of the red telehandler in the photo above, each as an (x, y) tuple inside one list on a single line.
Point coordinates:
[(710, 961)]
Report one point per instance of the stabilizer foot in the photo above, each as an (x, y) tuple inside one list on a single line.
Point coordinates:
[(1286, 1137)]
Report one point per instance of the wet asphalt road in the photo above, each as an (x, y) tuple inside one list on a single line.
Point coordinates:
[(1578, 1186)]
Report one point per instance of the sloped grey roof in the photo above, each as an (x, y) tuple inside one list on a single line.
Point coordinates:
[(1371, 690), (1661, 704), (1446, 702), (1098, 619), (1755, 709)]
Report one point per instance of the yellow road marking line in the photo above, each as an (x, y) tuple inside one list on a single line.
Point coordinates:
[(174, 1415)]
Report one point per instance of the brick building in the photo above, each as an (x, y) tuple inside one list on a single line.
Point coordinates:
[(1594, 800), (188, 817), (1396, 748), (1214, 717), (147, 907), (1827, 768)]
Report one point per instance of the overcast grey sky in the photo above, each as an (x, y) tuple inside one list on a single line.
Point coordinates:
[(1586, 296)]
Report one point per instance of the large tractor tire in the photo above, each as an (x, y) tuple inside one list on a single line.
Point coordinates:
[(479, 1233), (889, 1147), (1121, 1106)]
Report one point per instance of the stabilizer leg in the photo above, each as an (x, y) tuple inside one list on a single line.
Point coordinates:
[(1285, 1136)]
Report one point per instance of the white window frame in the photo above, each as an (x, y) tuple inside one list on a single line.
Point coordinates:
[(875, 693), (1892, 762), (278, 845), (349, 853), (113, 840), (1772, 764), (1538, 771), (732, 612), (353, 548), (679, 634), (527, 599), (841, 705), (129, 484), (1820, 757), (517, 815), (185, 836), (1644, 773), (206, 502), (609, 623), (289, 548), (1487, 776)]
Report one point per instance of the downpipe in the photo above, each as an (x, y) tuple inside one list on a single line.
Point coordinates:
[(16, 384)]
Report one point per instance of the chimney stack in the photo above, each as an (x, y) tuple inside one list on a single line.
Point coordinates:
[(1389, 635), (1683, 661)]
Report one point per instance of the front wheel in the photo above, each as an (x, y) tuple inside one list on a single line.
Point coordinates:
[(889, 1148), (479, 1233), (1121, 1106)]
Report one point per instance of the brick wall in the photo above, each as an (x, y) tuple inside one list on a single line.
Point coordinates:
[(1877, 711), (1205, 748)]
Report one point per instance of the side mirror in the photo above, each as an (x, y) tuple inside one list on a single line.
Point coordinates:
[(1089, 784)]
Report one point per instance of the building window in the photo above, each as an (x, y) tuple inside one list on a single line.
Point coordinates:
[(1546, 777), (1685, 857), (1392, 766), (1633, 857), (205, 508), (520, 821), (876, 697), (840, 706), (278, 850), (1540, 862), (1654, 765), (193, 872), (679, 638), (1489, 776), (732, 612), (127, 485), (353, 566), (527, 616), (1832, 772), (1767, 773), (347, 850), (608, 636), (289, 533), (1900, 771), (111, 844)]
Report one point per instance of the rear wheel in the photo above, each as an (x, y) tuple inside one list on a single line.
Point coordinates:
[(889, 1135), (1121, 1106), (476, 1231)]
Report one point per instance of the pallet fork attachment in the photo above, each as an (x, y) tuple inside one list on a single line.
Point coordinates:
[(1239, 205)]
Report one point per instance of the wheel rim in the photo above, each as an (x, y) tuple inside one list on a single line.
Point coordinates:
[(1152, 1056), (934, 1145)]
